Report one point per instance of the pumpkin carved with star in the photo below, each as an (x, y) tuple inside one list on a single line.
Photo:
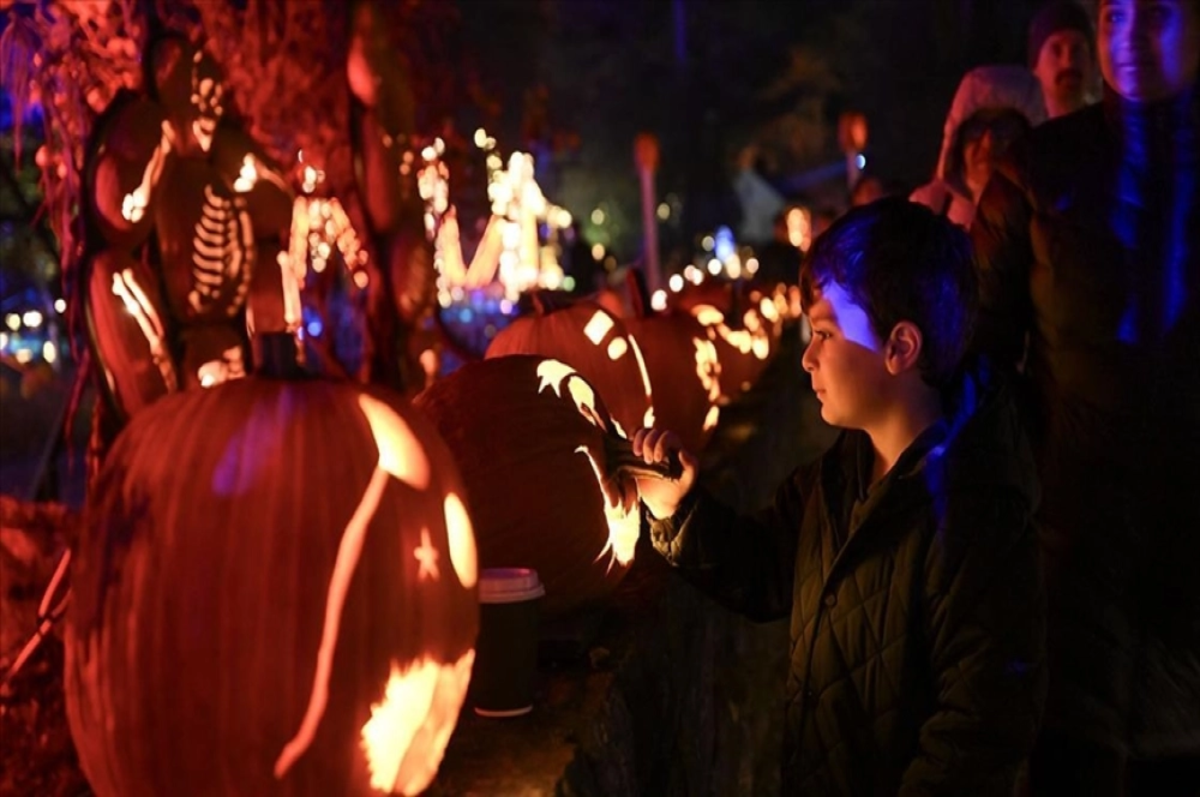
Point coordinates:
[(275, 594)]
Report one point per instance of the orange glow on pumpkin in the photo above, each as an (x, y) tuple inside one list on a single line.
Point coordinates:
[(597, 327), (133, 206), (408, 731), (463, 556), (617, 347), (622, 525), (125, 287), (400, 456), (648, 419)]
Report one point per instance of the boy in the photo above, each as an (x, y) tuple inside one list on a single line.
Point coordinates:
[(905, 554)]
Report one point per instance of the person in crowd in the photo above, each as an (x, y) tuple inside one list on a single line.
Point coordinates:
[(1088, 256), (1061, 56), (905, 555), (761, 202), (871, 186), (993, 106), (779, 259)]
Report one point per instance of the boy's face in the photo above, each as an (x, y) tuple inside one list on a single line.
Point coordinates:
[(845, 359)]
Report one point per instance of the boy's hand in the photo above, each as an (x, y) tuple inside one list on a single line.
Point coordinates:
[(663, 496)]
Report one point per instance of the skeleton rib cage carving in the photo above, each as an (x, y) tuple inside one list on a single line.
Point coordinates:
[(222, 253)]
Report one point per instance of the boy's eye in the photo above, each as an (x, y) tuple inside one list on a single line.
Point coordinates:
[(822, 334)]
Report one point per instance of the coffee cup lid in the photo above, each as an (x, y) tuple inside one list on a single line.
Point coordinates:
[(509, 585)]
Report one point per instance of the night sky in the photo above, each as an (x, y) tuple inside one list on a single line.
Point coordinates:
[(709, 76)]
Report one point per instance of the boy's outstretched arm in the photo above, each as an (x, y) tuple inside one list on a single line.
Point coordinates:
[(985, 624), (744, 562)]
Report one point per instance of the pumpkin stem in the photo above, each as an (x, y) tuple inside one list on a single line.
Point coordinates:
[(277, 355), (639, 294), (545, 302)]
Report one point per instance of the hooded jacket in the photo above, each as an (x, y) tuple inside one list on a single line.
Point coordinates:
[(916, 615), (1088, 242), (983, 88)]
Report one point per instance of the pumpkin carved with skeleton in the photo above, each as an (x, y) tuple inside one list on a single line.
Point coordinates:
[(275, 594), (171, 164)]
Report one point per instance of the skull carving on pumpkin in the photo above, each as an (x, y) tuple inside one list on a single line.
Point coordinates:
[(271, 619)]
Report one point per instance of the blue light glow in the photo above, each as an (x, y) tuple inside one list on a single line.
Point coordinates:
[(724, 246)]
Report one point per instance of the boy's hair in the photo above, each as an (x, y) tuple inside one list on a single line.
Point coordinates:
[(899, 261)]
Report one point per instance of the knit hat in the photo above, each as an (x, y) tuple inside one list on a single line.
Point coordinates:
[(1056, 16)]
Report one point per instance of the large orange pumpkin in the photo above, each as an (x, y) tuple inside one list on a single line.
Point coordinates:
[(530, 435), (274, 594), (594, 342), (684, 374)]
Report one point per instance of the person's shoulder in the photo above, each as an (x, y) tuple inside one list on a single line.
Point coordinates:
[(1055, 152), (1066, 133)]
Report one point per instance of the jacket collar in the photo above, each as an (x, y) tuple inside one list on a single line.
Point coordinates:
[(978, 443)]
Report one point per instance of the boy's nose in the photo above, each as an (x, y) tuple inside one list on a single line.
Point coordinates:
[(808, 361)]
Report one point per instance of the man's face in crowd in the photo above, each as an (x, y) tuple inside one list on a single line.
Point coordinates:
[(1065, 69), (1149, 49)]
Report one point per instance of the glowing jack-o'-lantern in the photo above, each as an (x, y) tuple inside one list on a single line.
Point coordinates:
[(534, 443), (594, 342), (274, 593), (684, 372), (743, 352)]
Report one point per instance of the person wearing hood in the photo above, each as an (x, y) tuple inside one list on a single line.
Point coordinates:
[(905, 554), (1088, 247), (993, 107)]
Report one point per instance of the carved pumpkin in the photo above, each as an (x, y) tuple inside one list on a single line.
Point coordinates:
[(594, 342), (529, 437), (129, 154), (743, 352), (190, 86), (684, 373), (274, 594), (246, 168), (206, 243), (127, 332), (712, 292)]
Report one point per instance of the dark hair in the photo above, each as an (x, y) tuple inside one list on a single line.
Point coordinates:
[(1005, 124), (900, 261)]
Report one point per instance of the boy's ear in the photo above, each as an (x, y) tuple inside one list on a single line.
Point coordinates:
[(903, 348)]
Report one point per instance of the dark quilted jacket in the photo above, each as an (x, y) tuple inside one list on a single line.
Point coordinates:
[(1088, 241), (916, 617)]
